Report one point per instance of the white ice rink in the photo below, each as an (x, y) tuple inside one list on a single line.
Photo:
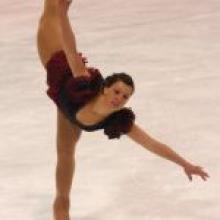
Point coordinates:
[(172, 50)]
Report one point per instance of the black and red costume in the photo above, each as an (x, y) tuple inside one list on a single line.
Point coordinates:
[(70, 94)]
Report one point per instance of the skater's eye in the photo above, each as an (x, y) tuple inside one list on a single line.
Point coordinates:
[(117, 91), (125, 96)]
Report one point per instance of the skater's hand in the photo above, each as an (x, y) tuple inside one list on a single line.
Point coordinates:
[(81, 69), (190, 170), (84, 59)]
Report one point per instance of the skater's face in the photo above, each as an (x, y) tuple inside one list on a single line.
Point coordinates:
[(117, 95)]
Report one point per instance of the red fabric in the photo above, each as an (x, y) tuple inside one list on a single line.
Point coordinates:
[(79, 90), (59, 75)]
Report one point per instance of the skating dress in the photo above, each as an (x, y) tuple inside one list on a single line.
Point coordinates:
[(70, 94)]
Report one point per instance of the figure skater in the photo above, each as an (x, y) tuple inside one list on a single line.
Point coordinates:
[(87, 101)]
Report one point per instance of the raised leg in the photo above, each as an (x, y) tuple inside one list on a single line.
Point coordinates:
[(67, 137)]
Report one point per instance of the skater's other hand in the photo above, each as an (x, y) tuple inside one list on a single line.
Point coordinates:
[(195, 170)]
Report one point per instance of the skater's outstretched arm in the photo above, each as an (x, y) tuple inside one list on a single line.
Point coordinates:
[(69, 41), (141, 137)]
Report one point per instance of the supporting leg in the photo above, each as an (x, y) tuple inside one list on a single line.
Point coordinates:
[(67, 137)]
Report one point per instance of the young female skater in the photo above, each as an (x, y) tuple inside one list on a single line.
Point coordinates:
[(86, 101)]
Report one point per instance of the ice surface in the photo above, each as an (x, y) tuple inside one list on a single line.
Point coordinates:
[(172, 49)]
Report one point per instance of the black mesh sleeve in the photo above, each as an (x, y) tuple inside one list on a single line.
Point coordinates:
[(119, 123)]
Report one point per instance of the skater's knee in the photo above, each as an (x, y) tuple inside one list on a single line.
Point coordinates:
[(66, 147), (62, 203)]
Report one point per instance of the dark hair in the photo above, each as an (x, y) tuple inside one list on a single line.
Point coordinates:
[(115, 77)]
